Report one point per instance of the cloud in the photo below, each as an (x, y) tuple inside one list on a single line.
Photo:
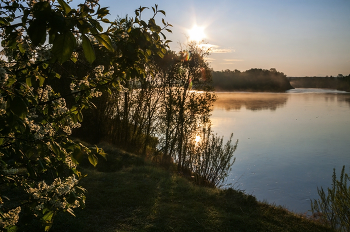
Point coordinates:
[(222, 50), (208, 45), (233, 60), (209, 59), (215, 48)]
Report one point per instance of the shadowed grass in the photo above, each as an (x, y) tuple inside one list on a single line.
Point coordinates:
[(144, 197)]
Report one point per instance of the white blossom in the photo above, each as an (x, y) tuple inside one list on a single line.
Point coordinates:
[(72, 86), (10, 218), (95, 93), (75, 54), (45, 93), (54, 195), (84, 82)]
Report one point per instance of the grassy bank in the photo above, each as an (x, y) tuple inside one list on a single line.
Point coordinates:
[(129, 194)]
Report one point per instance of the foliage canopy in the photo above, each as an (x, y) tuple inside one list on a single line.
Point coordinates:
[(41, 102)]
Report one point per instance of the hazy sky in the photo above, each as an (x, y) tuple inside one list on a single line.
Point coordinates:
[(297, 37)]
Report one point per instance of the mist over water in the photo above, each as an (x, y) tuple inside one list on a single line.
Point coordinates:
[(289, 142)]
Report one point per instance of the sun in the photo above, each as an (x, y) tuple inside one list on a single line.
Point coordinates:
[(196, 33)]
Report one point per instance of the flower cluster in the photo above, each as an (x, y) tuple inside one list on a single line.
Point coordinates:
[(69, 124), (60, 107), (70, 162), (95, 93), (84, 82), (40, 130), (10, 218), (45, 93), (75, 55), (55, 195), (72, 87), (99, 72)]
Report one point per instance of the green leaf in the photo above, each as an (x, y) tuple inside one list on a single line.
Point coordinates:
[(74, 109), (142, 8), (162, 11), (45, 65), (93, 159), (18, 107), (80, 116), (102, 12), (31, 170), (88, 50), (20, 127), (29, 81), (160, 54), (47, 228), (105, 41), (164, 37), (41, 80), (74, 59), (37, 31), (106, 21), (48, 216), (52, 36), (21, 48), (63, 46), (55, 148), (144, 24), (96, 24), (101, 152), (11, 229), (65, 6)]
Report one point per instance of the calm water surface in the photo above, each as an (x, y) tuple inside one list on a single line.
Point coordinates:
[(289, 142)]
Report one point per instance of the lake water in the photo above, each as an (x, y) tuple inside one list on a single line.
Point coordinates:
[(289, 142)]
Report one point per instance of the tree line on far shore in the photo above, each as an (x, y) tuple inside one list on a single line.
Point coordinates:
[(251, 80), (340, 82)]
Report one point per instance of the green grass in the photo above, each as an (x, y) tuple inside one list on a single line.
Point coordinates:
[(143, 197)]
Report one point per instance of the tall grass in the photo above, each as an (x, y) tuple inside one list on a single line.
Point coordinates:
[(334, 207)]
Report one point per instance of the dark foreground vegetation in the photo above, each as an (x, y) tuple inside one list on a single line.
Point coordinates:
[(140, 196), (340, 82), (259, 80)]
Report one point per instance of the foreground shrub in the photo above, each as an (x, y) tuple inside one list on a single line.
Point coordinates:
[(209, 159)]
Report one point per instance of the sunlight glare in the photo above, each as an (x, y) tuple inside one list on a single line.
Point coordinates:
[(196, 33), (198, 138)]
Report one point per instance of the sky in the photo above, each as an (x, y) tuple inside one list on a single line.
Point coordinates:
[(297, 37)]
